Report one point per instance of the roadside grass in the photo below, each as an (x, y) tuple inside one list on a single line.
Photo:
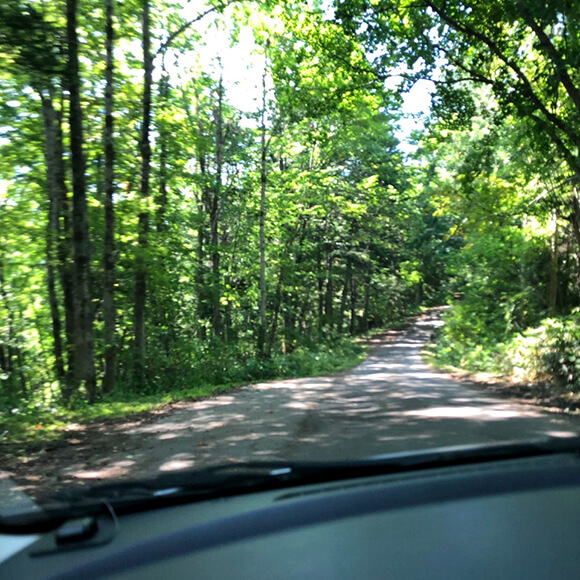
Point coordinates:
[(39, 423)]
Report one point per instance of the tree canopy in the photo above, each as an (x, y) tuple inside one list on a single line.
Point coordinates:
[(160, 228)]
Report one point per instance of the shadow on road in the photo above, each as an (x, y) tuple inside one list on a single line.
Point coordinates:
[(391, 402)]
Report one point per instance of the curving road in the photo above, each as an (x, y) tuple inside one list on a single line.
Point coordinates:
[(391, 402)]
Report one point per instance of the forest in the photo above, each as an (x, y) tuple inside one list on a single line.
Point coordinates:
[(208, 193)]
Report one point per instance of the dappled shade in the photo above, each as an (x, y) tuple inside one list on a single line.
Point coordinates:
[(392, 402)]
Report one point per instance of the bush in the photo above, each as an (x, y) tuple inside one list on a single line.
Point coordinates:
[(551, 351)]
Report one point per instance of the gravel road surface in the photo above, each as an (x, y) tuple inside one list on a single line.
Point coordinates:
[(391, 402)]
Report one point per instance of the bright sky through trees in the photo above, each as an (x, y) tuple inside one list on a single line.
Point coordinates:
[(232, 51)]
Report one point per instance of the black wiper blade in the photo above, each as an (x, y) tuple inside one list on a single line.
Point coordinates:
[(236, 478), (215, 481), (249, 477)]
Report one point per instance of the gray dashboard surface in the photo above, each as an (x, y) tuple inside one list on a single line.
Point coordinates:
[(529, 535), (508, 519)]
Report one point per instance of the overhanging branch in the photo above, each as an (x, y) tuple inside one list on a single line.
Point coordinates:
[(527, 88)]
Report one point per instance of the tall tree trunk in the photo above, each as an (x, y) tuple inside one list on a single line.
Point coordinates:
[(344, 297), (275, 314), (145, 150), (203, 237), (200, 276), (109, 313), (214, 214), (54, 309), (52, 232), (367, 303), (64, 251), (59, 254), (553, 289), (65, 260), (163, 139), (84, 370), (320, 291), (575, 219), (329, 293), (11, 362), (263, 185), (163, 319), (353, 301)]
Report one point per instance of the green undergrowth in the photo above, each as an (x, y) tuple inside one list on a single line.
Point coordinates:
[(39, 421), (548, 352)]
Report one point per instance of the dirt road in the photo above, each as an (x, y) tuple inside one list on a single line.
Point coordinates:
[(391, 402)]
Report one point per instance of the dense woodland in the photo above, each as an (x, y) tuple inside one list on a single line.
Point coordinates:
[(155, 233)]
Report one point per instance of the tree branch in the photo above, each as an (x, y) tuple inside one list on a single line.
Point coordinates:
[(189, 24), (568, 155), (552, 53), (528, 90), (556, 187)]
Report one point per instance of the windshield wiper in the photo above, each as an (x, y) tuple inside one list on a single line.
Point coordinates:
[(249, 477)]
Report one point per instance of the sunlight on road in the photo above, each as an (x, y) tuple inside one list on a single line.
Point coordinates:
[(392, 402), (179, 461), (113, 471), (465, 412), (561, 434)]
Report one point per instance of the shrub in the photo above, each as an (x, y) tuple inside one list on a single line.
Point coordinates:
[(558, 350)]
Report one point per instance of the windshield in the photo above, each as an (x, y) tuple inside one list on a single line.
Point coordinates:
[(284, 231)]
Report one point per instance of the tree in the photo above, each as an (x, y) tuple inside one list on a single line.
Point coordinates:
[(262, 329), (483, 43), (110, 355), (144, 192), (84, 362), (231, 238)]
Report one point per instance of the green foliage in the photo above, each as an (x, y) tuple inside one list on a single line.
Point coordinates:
[(549, 351), (323, 229), (357, 235), (41, 421), (513, 260)]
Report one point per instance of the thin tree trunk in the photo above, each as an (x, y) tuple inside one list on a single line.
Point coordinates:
[(329, 294), (367, 303), (163, 139), (52, 232), (344, 298), (200, 280), (109, 313), (54, 309), (163, 319), (11, 359), (60, 253), (201, 226), (263, 185), (54, 312), (553, 289), (353, 301), (575, 220), (203, 300), (84, 370), (275, 315), (145, 150), (320, 293), (215, 205), (65, 256)]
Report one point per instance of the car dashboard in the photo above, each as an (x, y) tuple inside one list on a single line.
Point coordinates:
[(514, 518)]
